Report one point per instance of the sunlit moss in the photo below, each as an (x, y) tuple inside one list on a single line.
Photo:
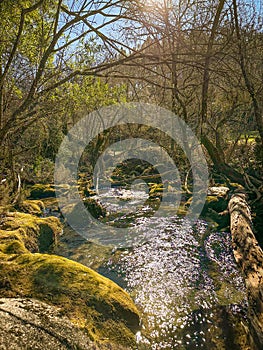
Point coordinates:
[(12, 242), (156, 190), (39, 191), (37, 234), (90, 300), (35, 207)]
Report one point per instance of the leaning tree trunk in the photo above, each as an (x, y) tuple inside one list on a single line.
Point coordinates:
[(249, 257)]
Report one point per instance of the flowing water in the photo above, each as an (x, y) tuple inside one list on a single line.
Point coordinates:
[(183, 279)]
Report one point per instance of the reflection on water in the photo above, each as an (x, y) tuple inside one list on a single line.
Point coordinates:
[(185, 282), (182, 278)]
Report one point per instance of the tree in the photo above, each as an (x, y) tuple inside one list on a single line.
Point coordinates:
[(254, 91), (48, 44), (190, 62)]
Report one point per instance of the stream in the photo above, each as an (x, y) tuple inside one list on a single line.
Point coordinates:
[(183, 278)]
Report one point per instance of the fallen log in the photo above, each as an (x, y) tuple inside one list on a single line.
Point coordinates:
[(249, 256)]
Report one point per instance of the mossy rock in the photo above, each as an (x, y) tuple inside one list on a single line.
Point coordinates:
[(31, 324), (216, 203), (88, 192), (34, 207), (12, 242), (91, 301), (33, 233), (95, 208), (39, 191), (76, 211), (156, 190)]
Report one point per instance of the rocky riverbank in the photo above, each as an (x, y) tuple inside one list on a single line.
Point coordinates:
[(98, 309), (30, 324), (97, 313)]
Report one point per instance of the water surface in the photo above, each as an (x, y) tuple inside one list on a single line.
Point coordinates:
[(183, 278)]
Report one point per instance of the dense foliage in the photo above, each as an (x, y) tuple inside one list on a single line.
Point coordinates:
[(62, 59)]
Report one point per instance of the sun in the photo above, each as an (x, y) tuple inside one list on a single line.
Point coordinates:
[(158, 3)]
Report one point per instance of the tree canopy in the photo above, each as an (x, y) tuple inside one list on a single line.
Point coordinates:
[(203, 61)]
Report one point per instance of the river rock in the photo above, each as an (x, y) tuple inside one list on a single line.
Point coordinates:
[(39, 191), (28, 323), (21, 232), (31, 324), (91, 301), (76, 211)]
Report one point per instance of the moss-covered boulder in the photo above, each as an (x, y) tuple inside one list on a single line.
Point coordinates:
[(34, 207), (91, 301), (93, 304), (92, 205), (21, 232), (215, 207), (39, 191), (31, 324)]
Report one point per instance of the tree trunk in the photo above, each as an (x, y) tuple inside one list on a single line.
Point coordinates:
[(248, 82), (219, 162), (249, 257), (206, 74)]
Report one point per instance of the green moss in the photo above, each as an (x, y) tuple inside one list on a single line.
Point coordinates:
[(37, 234), (117, 332), (34, 207), (12, 242), (156, 190), (182, 210), (51, 203), (92, 205), (95, 208), (39, 191), (90, 300)]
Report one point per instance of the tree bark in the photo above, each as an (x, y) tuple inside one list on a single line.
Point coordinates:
[(248, 82), (249, 257), (206, 75), (219, 162)]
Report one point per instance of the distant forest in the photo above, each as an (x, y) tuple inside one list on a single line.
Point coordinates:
[(202, 60)]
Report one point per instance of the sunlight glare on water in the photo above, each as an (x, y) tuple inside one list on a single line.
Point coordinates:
[(178, 276), (183, 279)]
